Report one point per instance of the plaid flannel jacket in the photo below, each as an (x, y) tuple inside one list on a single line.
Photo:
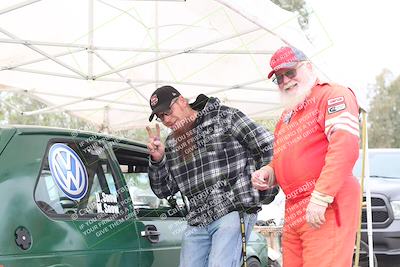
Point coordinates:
[(216, 179)]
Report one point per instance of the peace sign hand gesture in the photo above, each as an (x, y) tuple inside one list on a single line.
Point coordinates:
[(155, 146)]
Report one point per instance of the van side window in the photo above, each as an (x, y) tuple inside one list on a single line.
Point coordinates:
[(75, 180), (134, 167)]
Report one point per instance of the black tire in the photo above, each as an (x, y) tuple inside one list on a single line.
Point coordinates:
[(364, 255), (253, 262)]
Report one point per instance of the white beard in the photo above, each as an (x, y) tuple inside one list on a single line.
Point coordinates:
[(291, 99)]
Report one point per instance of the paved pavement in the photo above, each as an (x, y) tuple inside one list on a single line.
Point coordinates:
[(388, 261)]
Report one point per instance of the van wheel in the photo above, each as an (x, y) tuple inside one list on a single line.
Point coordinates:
[(253, 262)]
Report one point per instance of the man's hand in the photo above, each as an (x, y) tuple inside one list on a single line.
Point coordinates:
[(263, 178), (155, 146), (315, 215)]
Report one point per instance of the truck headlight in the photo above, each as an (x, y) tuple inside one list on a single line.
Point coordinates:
[(396, 209)]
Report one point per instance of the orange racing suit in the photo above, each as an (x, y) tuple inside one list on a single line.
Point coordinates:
[(315, 149)]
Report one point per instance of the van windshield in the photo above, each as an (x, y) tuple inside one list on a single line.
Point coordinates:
[(381, 165)]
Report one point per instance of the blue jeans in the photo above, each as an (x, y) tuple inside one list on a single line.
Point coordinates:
[(219, 244)]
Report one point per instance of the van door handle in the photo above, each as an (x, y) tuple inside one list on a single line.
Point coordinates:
[(150, 232)]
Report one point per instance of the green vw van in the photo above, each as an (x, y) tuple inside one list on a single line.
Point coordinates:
[(75, 199)]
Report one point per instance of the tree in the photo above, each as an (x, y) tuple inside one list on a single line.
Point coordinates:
[(12, 104), (141, 135), (384, 122), (297, 6)]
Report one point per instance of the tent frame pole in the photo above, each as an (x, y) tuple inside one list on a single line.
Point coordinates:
[(134, 49), (90, 40), (37, 50), (123, 79), (91, 98), (364, 184), (180, 52), (69, 52), (17, 6)]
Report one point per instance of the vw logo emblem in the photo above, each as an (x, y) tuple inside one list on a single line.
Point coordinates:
[(68, 171)]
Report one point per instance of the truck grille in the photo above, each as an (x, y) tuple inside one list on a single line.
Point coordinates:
[(380, 213), (375, 201)]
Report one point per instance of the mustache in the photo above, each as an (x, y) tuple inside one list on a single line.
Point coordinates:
[(291, 99)]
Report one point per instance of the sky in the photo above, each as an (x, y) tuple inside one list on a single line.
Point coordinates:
[(363, 38)]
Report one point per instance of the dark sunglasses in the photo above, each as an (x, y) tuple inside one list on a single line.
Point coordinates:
[(290, 73)]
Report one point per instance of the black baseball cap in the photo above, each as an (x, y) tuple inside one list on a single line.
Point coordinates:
[(161, 98)]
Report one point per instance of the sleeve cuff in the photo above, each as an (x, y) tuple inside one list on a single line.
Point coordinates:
[(156, 164), (321, 199)]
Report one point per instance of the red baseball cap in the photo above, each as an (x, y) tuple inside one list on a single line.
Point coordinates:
[(285, 57)]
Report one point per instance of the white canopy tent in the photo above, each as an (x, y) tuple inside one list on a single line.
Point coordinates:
[(101, 59)]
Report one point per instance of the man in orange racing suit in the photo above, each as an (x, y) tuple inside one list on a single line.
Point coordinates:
[(315, 149)]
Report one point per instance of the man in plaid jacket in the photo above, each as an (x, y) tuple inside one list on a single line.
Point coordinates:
[(209, 157)]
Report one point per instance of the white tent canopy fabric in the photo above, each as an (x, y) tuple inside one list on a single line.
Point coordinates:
[(101, 59)]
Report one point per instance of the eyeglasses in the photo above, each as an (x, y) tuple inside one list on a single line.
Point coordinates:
[(160, 116), (291, 73)]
